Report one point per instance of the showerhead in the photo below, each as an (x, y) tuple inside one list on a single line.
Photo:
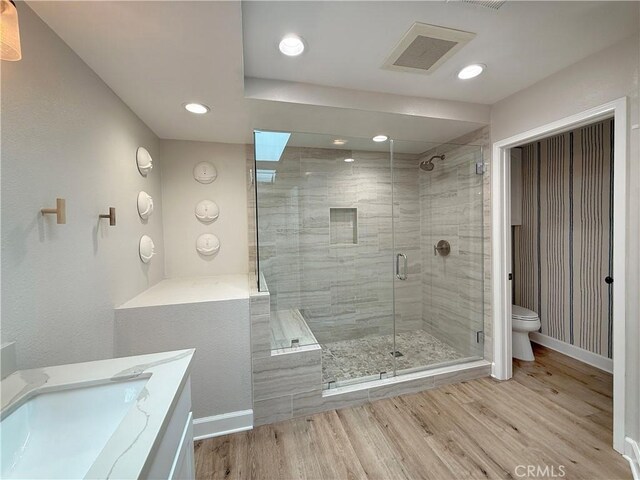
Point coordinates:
[(427, 165)]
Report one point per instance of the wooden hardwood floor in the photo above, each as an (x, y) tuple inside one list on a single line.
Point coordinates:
[(555, 415)]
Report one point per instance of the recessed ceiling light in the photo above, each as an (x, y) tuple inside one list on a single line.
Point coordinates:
[(349, 160), (198, 108), (291, 45), (471, 71), (380, 138), (339, 141)]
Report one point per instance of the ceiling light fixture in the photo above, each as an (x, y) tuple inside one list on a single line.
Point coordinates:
[(9, 32), (349, 160), (197, 108), (380, 138), (471, 71), (339, 141), (291, 45)]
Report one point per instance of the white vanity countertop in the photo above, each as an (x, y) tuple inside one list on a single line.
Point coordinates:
[(174, 291), (128, 453)]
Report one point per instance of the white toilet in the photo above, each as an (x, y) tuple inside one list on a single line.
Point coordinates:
[(523, 321)]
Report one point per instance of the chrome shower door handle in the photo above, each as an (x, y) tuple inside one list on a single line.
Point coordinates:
[(403, 275)]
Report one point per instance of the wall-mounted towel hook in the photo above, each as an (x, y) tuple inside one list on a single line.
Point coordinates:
[(111, 216), (60, 211)]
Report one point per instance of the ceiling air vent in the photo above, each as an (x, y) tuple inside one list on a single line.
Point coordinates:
[(495, 4), (425, 47)]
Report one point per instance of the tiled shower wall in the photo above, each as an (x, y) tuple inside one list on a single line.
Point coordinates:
[(354, 281), (344, 290), (454, 206)]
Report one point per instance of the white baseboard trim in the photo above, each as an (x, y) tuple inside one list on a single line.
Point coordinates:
[(224, 424), (593, 359), (632, 454)]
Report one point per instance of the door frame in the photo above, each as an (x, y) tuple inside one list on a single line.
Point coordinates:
[(501, 244)]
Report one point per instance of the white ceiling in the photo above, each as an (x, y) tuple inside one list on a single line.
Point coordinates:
[(158, 55), (348, 42), (358, 144)]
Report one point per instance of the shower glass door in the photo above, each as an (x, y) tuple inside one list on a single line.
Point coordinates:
[(438, 254), (373, 251), (325, 241)]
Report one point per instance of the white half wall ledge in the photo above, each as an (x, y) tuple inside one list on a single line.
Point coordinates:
[(585, 356), (309, 94), (224, 424)]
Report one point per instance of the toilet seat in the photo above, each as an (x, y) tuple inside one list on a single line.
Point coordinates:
[(524, 314)]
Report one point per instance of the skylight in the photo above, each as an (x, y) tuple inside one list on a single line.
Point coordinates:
[(266, 176), (270, 145)]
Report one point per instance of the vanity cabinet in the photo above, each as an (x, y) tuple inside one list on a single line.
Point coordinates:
[(174, 457)]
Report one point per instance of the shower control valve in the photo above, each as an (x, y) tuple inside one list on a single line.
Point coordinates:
[(443, 248)]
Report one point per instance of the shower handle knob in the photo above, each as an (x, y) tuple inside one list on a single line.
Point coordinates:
[(443, 248)]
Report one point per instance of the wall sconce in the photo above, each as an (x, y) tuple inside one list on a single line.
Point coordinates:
[(207, 244), (146, 249), (9, 32), (207, 211), (205, 172), (144, 161), (145, 205)]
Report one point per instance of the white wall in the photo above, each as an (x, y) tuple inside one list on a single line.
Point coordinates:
[(180, 194), (597, 79), (66, 134)]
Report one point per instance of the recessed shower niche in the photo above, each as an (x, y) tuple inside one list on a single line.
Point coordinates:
[(343, 226)]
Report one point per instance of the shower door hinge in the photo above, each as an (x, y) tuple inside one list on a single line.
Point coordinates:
[(480, 168), (479, 335)]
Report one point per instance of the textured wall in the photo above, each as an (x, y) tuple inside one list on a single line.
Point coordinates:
[(65, 134), (451, 208), (180, 194), (563, 248), (344, 291)]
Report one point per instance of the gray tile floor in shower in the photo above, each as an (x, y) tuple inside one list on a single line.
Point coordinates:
[(351, 359)]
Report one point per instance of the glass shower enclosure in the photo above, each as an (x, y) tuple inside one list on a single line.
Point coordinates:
[(373, 250)]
